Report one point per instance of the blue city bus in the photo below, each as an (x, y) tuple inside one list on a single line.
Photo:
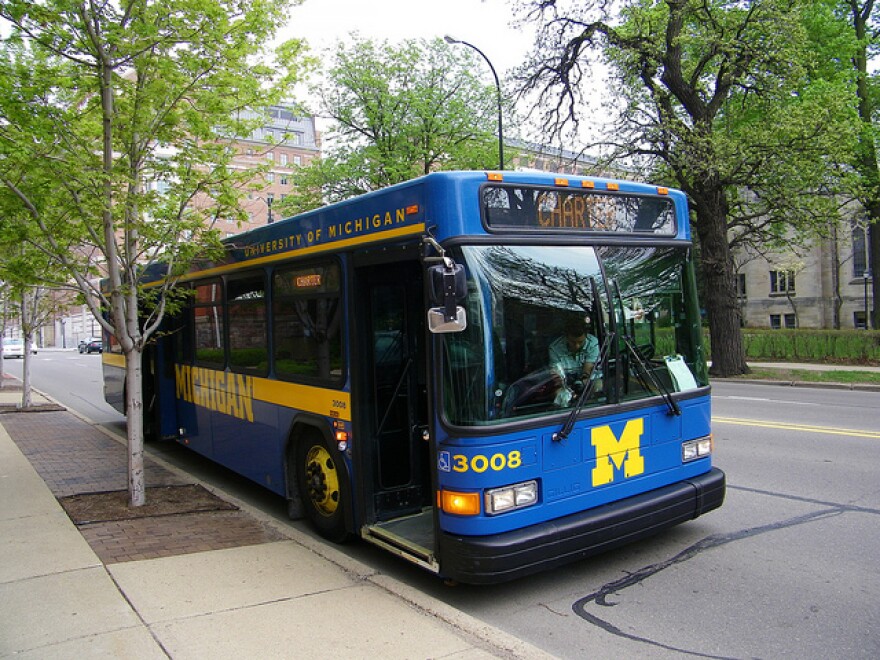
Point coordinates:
[(384, 365)]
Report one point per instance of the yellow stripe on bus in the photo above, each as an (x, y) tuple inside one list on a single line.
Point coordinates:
[(302, 252), (113, 359), (234, 394), (319, 400)]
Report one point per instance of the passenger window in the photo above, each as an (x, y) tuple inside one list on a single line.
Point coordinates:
[(307, 323)]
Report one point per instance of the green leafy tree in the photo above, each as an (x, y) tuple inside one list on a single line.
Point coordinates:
[(398, 112), (732, 101), (103, 103), (862, 23)]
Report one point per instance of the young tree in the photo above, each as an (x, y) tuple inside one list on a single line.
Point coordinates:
[(98, 100), (24, 272), (730, 98), (397, 112)]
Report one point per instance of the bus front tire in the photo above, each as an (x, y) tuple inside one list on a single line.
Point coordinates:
[(320, 481)]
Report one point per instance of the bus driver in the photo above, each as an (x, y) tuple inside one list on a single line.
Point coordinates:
[(572, 358)]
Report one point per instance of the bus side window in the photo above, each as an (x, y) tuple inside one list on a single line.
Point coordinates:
[(307, 328), (246, 307), (208, 323)]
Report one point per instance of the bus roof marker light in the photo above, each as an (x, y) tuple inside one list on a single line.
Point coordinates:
[(613, 186), (560, 181), (495, 176), (587, 184), (661, 190)]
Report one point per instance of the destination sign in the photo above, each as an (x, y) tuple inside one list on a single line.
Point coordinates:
[(309, 281), (517, 207)]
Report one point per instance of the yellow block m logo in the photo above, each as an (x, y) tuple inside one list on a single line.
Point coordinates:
[(624, 453)]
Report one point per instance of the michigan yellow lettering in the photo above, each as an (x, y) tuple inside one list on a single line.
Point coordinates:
[(227, 393), (622, 452)]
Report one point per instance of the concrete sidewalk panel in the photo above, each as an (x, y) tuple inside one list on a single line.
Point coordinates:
[(131, 643), (360, 621), (22, 491), (206, 582), (41, 545), (52, 609)]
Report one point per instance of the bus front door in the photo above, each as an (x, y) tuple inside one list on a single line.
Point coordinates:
[(393, 397)]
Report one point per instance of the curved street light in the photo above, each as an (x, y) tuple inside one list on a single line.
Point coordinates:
[(451, 40)]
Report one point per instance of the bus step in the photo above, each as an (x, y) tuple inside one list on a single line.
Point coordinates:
[(410, 537)]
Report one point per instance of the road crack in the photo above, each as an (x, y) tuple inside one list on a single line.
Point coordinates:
[(601, 597)]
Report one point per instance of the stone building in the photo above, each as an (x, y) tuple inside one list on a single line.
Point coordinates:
[(825, 285)]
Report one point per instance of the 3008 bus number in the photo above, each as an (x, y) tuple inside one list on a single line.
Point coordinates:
[(481, 463)]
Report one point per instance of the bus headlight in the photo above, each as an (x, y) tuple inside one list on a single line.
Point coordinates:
[(694, 449), (508, 498)]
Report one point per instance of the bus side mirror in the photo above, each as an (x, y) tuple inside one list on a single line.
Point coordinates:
[(447, 286)]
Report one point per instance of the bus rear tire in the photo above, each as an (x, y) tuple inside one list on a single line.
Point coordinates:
[(320, 480)]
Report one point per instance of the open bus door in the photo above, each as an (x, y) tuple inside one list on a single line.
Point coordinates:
[(391, 387)]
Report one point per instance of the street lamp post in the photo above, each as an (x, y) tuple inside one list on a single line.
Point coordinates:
[(451, 40)]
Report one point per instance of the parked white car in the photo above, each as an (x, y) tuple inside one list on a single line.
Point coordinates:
[(15, 348)]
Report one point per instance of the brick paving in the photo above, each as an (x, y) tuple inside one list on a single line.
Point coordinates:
[(73, 458), (164, 536)]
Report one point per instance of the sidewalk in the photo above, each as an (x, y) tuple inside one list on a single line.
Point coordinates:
[(804, 366), (226, 582)]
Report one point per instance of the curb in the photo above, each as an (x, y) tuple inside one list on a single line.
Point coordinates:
[(499, 641), (856, 387)]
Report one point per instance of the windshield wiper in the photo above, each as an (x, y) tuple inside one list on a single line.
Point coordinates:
[(648, 373), (642, 368), (565, 431)]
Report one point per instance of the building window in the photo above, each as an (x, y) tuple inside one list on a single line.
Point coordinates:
[(775, 321), (284, 180), (860, 251), (859, 320), (297, 160), (781, 282), (741, 285), (790, 322), (270, 177), (270, 156), (283, 159)]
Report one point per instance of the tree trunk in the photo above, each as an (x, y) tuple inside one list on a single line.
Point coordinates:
[(717, 270), (872, 320), (26, 400), (836, 299), (135, 421)]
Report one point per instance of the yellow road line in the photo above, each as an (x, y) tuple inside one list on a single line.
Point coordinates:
[(797, 427)]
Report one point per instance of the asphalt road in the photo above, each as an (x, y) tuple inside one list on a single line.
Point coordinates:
[(787, 568)]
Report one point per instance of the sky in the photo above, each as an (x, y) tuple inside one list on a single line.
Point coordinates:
[(483, 23)]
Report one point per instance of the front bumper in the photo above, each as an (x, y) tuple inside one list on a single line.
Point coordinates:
[(511, 555)]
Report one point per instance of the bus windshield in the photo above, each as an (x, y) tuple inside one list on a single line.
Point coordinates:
[(540, 317)]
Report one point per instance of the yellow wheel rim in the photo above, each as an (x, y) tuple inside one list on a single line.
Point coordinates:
[(322, 480)]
